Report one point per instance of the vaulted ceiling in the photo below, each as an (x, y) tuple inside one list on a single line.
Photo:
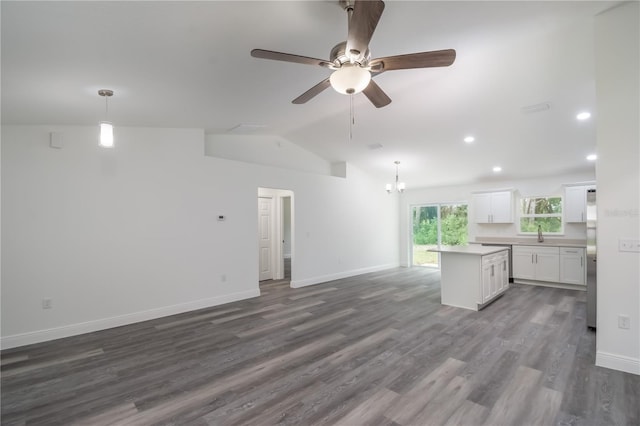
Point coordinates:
[(188, 64)]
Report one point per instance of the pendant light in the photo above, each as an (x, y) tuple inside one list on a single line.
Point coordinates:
[(106, 127), (399, 186)]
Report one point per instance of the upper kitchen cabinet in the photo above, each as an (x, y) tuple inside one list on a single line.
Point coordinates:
[(493, 207), (575, 203)]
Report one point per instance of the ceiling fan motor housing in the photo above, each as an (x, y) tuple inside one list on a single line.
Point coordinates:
[(339, 56)]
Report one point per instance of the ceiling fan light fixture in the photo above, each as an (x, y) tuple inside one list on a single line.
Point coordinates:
[(350, 79)]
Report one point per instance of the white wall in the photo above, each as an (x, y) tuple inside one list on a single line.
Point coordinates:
[(547, 186), (122, 235), (618, 165)]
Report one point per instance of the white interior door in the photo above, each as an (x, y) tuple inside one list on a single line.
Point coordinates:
[(265, 236)]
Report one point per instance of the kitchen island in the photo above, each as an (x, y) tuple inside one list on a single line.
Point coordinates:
[(472, 276)]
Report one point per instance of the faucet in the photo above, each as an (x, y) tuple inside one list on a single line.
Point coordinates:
[(540, 237)]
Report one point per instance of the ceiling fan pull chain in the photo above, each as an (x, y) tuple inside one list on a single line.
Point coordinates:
[(352, 119)]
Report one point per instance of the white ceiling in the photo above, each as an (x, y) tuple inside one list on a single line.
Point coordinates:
[(187, 64)]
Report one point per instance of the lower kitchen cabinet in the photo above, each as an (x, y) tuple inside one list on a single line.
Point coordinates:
[(471, 277), (563, 265), (573, 266), (495, 275), (536, 263)]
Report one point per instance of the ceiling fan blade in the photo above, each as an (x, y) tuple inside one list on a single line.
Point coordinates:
[(376, 95), (311, 93), (362, 24), (436, 58), (289, 57)]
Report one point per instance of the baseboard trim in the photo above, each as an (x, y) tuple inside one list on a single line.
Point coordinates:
[(618, 362), (550, 284), (16, 340), (339, 275)]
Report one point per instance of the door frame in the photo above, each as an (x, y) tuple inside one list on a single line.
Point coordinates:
[(277, 225)]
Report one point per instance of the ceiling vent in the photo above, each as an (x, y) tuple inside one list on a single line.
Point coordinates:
[(544, 106), (246, 129)]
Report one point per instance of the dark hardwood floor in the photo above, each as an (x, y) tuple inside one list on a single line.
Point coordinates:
[(377, 349)]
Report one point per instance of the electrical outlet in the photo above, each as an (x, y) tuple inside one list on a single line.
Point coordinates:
[(47, 303), (623, 322), (629, 245)]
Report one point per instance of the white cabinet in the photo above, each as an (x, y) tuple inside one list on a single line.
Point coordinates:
[(575, 203), (471, 279), (536, 263), (495, 275), (572, 266), (493, 207)]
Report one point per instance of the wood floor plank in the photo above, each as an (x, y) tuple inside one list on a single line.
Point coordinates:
[(369, 410), (16, 370), (515, 400), (468, 413), (429, 387)]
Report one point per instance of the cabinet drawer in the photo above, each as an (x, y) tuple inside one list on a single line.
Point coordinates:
[(571, 250), (536, 249), (494, 257)]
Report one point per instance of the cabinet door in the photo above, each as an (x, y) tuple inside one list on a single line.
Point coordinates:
[(502, 207), (547, 266), (523, 263), (496, 280), (575, 204), (572, 266), (504, 273), (482, 208), (486, 282)]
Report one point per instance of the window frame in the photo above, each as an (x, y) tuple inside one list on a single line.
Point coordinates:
[(521, 215)]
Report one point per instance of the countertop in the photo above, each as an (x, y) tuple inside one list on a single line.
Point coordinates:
[(475, 249), (548, 242)]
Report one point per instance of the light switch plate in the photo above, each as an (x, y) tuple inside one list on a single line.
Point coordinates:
[(629, 245)]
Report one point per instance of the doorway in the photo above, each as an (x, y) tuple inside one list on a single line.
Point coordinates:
[(275, 234), (434, 225)]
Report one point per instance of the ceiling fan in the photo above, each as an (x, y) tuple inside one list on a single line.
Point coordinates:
[(351, 60)]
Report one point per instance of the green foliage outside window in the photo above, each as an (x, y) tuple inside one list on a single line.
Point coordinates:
[(453, 222), (543, 212)]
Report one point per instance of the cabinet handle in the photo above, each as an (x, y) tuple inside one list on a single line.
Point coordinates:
[(536, 258), (504, 265), (492, 273), (571, 251), (531, 257), (581, 262)]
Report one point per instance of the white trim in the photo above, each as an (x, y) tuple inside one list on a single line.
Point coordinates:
[(29, 338), (618, 362), (345, 274), (484, 191)]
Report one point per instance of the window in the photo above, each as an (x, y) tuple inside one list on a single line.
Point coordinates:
[(543, 212), (437, 224)]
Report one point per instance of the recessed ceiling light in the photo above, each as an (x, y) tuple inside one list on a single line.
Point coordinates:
[(469, 139), (583, 116), (497, 169), (592, 157)]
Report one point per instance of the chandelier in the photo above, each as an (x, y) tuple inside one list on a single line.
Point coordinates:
[(399, 186)]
